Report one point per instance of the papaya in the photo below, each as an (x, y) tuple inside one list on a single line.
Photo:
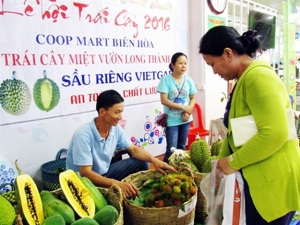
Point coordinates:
[(77, 194), (53, 206), (7, 213), (99, 199), (108, 215), (56, 219), (29, 199), (85, 221)]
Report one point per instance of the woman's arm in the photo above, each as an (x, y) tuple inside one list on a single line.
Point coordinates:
[(170, 104)]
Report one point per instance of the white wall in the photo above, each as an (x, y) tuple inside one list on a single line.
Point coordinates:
[(210, 86)]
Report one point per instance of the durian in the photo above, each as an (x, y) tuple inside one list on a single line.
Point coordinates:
[(216, 147), (200, 152), (15, 97), (206, 167)]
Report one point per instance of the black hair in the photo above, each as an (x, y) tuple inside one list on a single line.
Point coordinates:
[(174, 59), (220, 37), (107, 99)]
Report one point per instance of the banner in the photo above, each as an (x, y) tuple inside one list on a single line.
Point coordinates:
[(57, 56)]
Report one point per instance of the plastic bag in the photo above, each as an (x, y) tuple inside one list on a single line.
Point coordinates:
[(162, 120), (224, 196), (213, 188), (234, 200)]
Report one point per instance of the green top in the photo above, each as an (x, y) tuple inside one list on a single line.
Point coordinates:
[(269, 162)]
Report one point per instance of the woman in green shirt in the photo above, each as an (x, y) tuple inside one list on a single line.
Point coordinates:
[(268, 162)]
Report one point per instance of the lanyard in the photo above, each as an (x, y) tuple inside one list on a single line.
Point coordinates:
[(179, 90)]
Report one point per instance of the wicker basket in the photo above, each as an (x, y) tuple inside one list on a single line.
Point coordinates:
[(10, 195), (50, 171), (200, 213), (114, 197), (137, 215)]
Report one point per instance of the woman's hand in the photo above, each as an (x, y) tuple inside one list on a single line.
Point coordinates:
[(187, 109), (223, 165), (185, 117)]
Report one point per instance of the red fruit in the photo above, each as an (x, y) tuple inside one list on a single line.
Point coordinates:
[(193, 190), (159, 203), (168, 189), (189, 179), (183, 191), (177, 202), (154, 191), (170, 184), (175, 196), (177, 182), (158, 195)]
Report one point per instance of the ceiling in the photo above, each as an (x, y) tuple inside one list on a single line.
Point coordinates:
[(274, 4)]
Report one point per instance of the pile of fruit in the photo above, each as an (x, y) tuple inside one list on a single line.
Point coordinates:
[(79, 202), (198, 160), (199, 157), (173, 189)]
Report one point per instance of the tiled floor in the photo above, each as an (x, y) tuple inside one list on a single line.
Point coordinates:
[(159, 157)]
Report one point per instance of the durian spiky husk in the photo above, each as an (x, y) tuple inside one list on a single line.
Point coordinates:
[(216, 147), (200, 152)]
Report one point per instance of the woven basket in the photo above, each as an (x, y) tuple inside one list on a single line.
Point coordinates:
[(10, 195), (137, 215), (113, 196), (200, 213), (51, 170)]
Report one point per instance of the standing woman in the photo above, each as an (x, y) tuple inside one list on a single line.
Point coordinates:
[(268, 162), (177, 94)]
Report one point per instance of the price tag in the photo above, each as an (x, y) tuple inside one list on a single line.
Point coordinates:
[(188, 207)]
